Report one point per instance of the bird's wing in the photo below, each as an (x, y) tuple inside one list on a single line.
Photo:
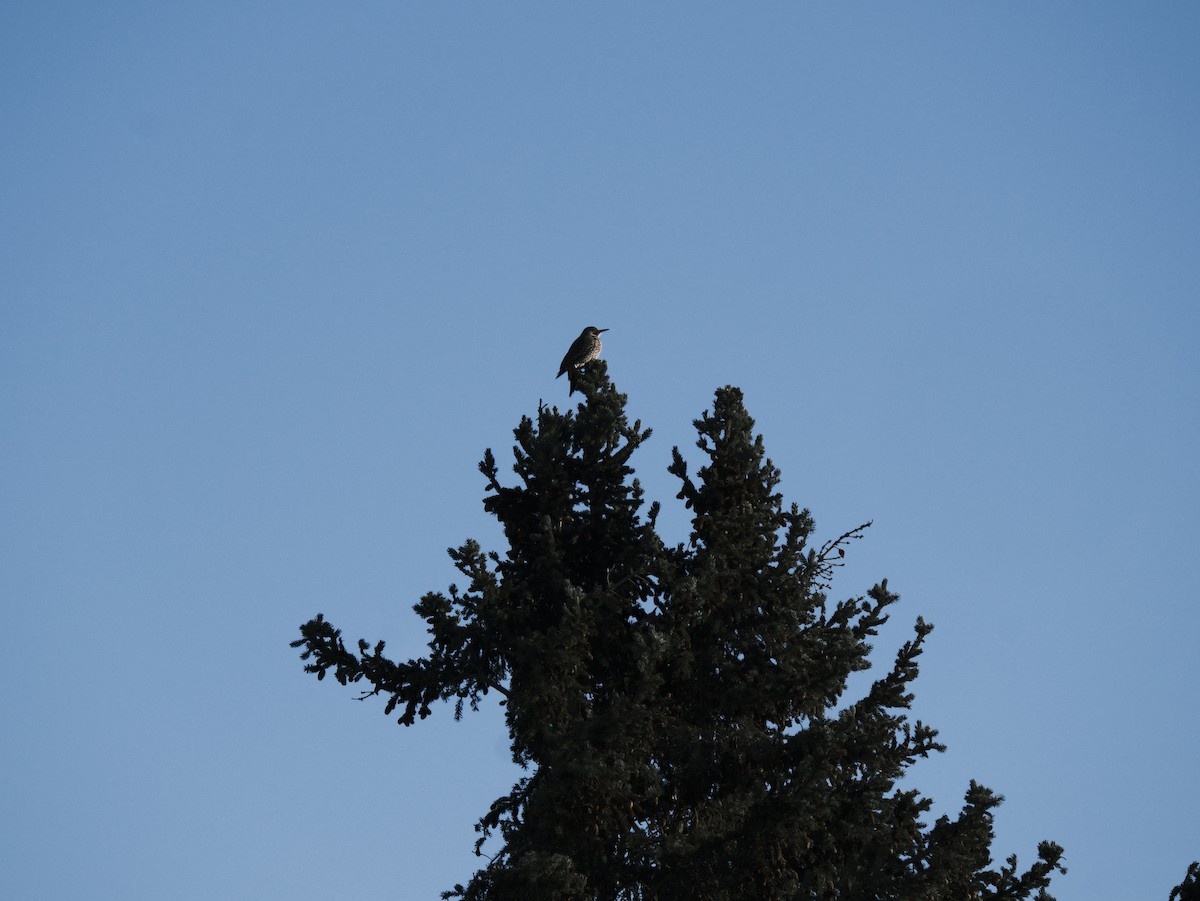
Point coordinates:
[(572, 353)]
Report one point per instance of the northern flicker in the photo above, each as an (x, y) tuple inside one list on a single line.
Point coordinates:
[(584, 349)]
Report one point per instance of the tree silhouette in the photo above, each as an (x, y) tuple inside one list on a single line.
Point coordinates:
[(1189, 889), (680, 711)]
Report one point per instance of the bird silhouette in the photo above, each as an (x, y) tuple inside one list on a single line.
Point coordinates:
[(583, 350)]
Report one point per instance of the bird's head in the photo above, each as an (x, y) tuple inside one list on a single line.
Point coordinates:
[(592, 330)]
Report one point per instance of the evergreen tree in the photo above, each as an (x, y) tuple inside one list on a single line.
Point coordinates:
[(1189, 889), (680, 711)]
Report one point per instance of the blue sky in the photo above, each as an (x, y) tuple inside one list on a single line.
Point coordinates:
[(273, 275)]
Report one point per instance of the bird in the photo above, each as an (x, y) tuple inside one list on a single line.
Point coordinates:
[(583, 349)]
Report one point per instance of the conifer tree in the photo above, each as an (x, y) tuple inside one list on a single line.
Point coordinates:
[(1189, 889), (680, 711)]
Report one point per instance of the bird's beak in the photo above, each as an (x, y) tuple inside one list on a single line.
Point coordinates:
[(602, 330)]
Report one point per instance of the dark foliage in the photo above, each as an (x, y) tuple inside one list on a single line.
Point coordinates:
[(680, 711), (1189, 889)]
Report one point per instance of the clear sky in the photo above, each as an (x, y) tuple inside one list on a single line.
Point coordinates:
[(274, 275)]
